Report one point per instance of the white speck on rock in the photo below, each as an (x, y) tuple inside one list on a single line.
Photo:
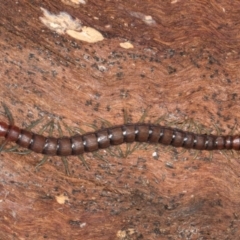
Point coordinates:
[(145, 18)]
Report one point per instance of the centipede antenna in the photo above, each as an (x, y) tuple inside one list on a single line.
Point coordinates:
[(8, 113)]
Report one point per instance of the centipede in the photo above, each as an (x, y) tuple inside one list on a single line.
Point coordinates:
[(79, 144)]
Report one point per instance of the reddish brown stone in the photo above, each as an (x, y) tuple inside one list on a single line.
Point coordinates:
[(184, 65)]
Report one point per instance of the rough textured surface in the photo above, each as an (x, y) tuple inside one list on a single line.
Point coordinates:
[(185, 64)]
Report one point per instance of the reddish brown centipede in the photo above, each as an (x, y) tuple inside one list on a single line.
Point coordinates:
[(128, 133)]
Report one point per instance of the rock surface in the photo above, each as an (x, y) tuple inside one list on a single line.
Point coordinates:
[(184, 65)]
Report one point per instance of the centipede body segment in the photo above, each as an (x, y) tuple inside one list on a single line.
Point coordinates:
[(104, 138)]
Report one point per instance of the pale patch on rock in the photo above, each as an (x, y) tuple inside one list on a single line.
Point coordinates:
[(60, 23), (63, 23), (87, 34), (126, 45), (74, 3), (61, 199)]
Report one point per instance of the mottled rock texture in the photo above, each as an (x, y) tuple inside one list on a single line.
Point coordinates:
[(184, 65)]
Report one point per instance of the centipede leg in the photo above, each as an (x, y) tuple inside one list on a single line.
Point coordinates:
[(188, 126), (210, 156), (131, 147), (8, 114), (50, 126), (116, 153), (233, 129), (160, 119), (128, 150), (3, 145), (125, 116), (182, 152), (34, 123), (45, 158), (71, 132), (226, 154), (43, 161), (84, 162), (64, 159), (233, 154), (15, 148), (144, 115), (97, 155), (65, 163), (196, 155)]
